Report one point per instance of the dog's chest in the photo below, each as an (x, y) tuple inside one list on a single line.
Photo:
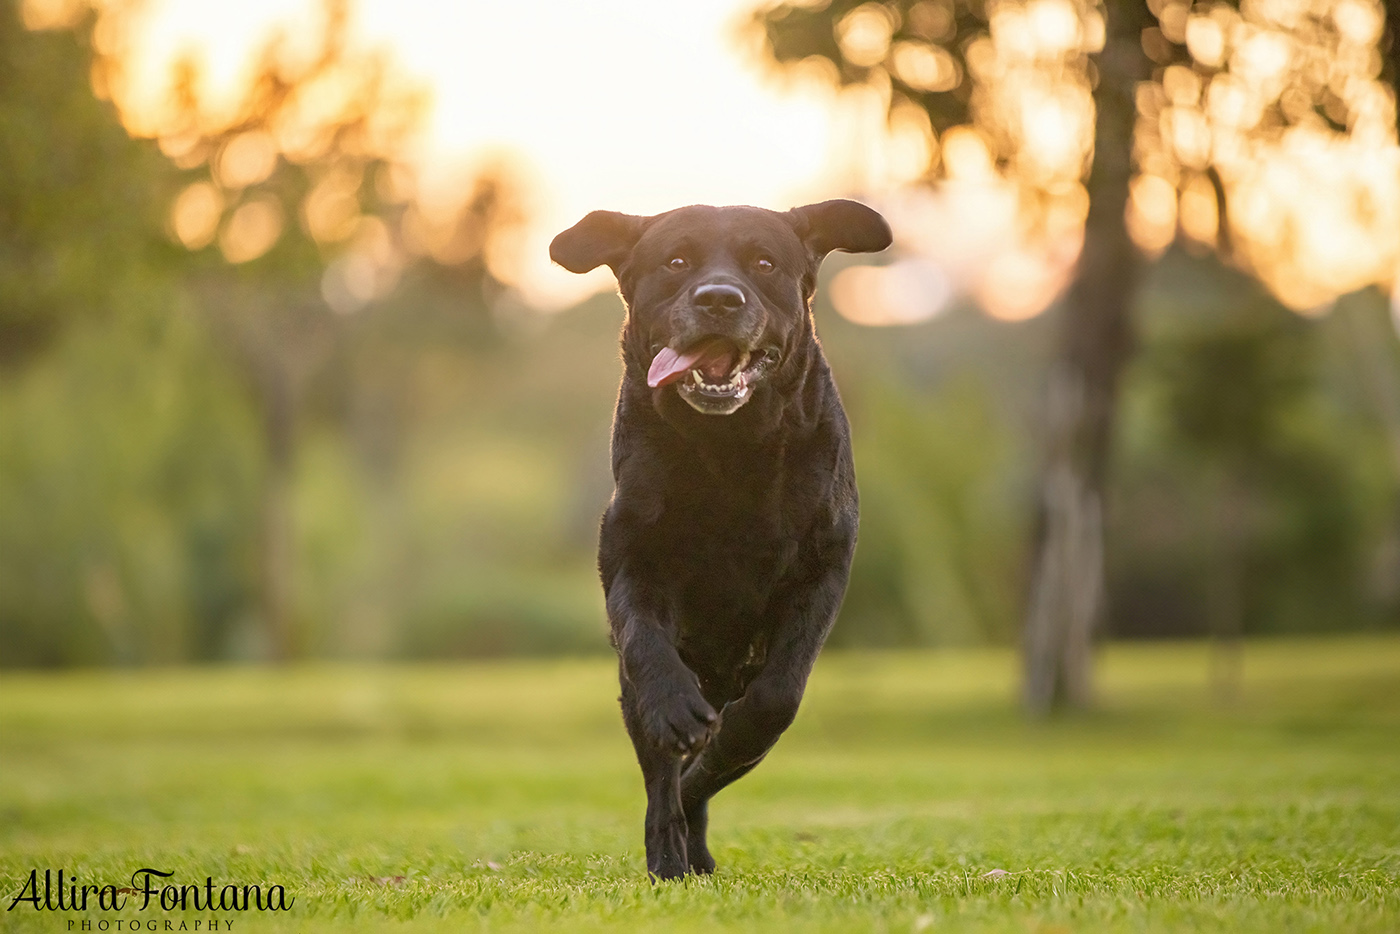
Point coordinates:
[(730, 545), (730, 569), (730, 565)]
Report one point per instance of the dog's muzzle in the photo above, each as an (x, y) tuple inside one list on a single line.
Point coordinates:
[(714, 374)]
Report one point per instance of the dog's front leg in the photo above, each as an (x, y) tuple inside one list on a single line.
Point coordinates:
[(665, 828), (666, 717)]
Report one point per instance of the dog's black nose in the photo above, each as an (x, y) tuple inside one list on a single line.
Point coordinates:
[(716, 296)]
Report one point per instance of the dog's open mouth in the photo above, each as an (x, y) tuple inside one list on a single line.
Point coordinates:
[(715, 375)]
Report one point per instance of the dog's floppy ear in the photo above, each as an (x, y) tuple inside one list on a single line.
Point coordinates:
[(840, 225), (601, 237)]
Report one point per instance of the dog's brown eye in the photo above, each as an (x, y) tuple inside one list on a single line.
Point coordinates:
[(763, 264), (677, 262)]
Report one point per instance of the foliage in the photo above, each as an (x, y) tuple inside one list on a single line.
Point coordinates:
[(127, 474), (1252, 491), (125, 463), (506, 797), (446, 457), (796, 32), (1254, 485), (454, 464), (81, 203), (942, 469)]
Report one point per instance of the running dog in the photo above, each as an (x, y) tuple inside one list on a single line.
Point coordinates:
[(725, 550)]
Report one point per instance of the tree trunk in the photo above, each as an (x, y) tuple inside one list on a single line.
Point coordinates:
[(278, 557), (277, 339), (1067, 575), (1227, 524)]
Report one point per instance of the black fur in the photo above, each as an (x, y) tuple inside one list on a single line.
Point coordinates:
[(725, 550)]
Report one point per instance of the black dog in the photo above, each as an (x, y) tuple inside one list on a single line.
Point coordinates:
[(725, 550)]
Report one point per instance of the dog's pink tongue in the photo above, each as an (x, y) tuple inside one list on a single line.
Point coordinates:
[(669, 366)]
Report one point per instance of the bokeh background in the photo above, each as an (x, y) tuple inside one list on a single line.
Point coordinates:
[(285, 372)]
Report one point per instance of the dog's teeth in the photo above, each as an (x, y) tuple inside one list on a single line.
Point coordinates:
[(695, 375), (739, 368)]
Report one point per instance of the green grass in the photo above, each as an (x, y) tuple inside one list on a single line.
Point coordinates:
[(505, 797)]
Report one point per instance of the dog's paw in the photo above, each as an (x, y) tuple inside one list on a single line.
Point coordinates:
[(682, 722), (697, 851), (698, 856), (667, 867), (666, 854)]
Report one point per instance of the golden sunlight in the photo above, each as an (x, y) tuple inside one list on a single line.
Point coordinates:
[(1283, 102), (1274, 141), (626, 105)]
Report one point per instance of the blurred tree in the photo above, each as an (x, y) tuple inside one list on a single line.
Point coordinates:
[(309, 139), (81, 204), (1254, 491), (121, 469), (939, 534), (296, 212), (1067, 582), (1372, 337), (938, 57), (1274, 106), (442, 334), (291, 217), (1271, 139)]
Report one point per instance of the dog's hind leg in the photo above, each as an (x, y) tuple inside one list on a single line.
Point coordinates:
[(750, 727), (752, 724), (697, 848), (661, 773)]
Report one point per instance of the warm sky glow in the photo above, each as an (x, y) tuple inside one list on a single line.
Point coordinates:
[(627, 105), (1313, 212), (641, 106)]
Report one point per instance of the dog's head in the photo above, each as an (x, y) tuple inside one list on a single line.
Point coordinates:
[(717, 298)]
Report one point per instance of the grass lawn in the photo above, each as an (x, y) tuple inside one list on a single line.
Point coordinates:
[(909, 796)]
